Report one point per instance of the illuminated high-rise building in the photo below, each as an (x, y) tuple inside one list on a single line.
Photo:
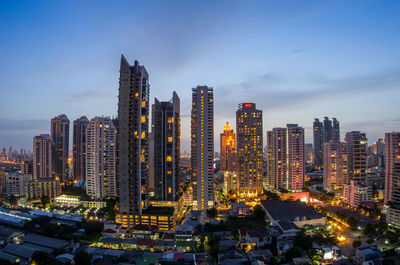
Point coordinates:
[(335, 165), (132, 142), (60, 135), (79, 148), (249, 149), (318, 135), (202, 147), (357, 156), (100, 158), (166, 156), (43, 148), (228, 149), (392, 181), (285, 155)]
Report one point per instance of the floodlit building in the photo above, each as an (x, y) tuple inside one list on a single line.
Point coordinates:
[(228, 149), (249, 149), (202, 147)]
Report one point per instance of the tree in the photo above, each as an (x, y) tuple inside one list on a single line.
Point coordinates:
[(258, 211), (294, 252), (352, 222), (368, 229), (82, 258), (212, 213), (274, 260), (356, 243), (45, 201), (42, 258)]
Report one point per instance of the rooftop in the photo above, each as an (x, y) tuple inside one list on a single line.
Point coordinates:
[(289, 211), (44, 241), (159, 210)]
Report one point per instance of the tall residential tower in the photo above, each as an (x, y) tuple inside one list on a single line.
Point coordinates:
[(202, 147), (60, 135), (100, 158), (43, 148), (392, 181), (166, 133), (133, 128), (79, 147)]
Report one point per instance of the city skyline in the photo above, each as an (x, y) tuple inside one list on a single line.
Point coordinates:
[(291, 78)]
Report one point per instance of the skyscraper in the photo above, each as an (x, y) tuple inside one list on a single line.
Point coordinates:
[(335, 130), (60, 135), (133, 127), (249, 149), (328, 130), (228, 149), (318, 134), (100, 158), (43, 148), (356, 144), (335, 165), (79, 147), (166, 132), (392, 181), (202, 147), (285, 154)]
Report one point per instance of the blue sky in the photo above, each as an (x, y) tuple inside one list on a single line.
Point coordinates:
[(297, 60)]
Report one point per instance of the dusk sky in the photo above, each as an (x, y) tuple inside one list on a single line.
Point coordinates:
[(298, 60)]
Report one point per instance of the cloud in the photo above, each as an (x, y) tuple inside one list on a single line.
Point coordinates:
[(88, 95), (276, 92), (297, 50)]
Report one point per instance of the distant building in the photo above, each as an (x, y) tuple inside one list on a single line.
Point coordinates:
[(335, 130), (355, 193), (202, 147), (100, 158), (166, 130), (37, 188), (392, 181), (249, 149), (43, 148), (285, 154), (328, 130), (228, 149), (357, 156), (60, 135), (309, 153), (335, 165), (79, 148)]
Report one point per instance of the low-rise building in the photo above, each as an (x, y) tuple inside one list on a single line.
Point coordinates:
[(240, 209), (355, 193), (291, 211), (37, 188), (74, 201), (368, 253), (15, 183)]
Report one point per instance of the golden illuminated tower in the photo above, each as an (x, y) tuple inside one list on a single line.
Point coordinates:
[(249, 149), (228, 149)]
